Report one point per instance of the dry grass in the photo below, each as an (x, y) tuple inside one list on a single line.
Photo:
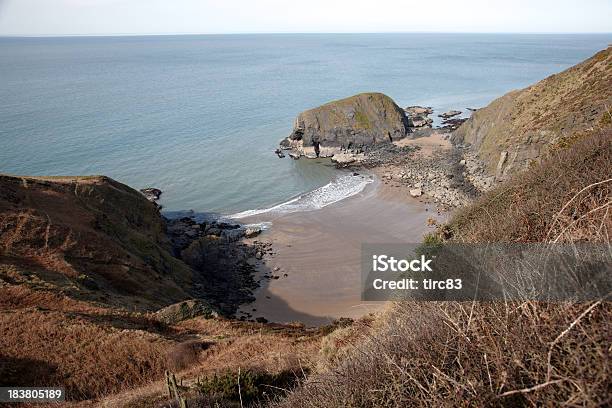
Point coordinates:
[(90, 354), (566, 198), (483, 354), (118, 356), (514, 354)]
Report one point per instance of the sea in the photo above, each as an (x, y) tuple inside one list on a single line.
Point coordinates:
[(199, 116)]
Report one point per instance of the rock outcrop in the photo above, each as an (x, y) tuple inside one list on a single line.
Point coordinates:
[(418, 116), (449, 114), (346, 125), (187, 309), (518, 128)]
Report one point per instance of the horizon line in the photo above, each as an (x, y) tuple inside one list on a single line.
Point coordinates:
[(301, 33)]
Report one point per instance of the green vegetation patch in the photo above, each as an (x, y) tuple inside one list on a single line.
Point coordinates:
[(362, 120)]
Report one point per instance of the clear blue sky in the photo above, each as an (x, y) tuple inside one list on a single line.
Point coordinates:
[(106, 17)]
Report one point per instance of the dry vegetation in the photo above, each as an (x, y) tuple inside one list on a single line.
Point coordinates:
[(116, 358), (82, 262), (566, 198), (510, 354), (90, 351)]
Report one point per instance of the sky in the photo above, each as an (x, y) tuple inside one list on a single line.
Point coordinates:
[(112, 17)]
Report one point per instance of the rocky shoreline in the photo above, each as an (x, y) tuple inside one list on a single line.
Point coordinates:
[(449, 176), (443, 174), (223, 255), (423, 163)]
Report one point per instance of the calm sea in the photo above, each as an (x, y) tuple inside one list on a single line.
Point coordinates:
[(199, 116)]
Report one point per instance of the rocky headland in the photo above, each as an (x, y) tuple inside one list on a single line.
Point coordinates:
[(96, 239), (470, 155), (347, 125)]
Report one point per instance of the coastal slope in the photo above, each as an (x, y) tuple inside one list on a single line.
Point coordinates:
[(517, 128), (350, 123), (95, 237)]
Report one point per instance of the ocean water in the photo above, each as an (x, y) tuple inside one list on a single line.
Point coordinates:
[(200, 116)]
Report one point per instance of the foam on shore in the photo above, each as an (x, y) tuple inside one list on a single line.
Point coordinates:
[(341, 187)]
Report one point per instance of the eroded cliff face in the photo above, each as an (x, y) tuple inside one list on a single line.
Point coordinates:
[(347, 124), (518, 128), (97, 238)]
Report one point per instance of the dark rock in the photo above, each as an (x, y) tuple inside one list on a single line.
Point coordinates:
[(232, 235), (453, 124), (212, 231), (87, 282), (151, 194), (225, 225)]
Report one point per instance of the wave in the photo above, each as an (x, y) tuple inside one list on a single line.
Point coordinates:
[(341, 187)]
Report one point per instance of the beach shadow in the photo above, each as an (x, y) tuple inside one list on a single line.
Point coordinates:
[(273, 308)]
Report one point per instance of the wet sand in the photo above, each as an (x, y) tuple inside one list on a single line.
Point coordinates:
[(320, 253)]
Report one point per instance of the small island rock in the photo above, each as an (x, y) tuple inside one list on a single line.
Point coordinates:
[(351, 123)]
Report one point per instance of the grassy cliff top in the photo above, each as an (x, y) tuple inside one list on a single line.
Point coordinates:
[(363, 111)]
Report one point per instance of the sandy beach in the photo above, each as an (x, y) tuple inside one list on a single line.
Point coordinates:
[(316, 254)]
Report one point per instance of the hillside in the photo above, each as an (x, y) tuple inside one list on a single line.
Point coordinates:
[(517, 128), (95, 238)]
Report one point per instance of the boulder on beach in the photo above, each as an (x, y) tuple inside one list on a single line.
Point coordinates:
[(350, 123), (252, 231), (416, 192), (344, 159)]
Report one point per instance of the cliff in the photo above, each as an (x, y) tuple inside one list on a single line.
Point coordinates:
[(93, 236), (350, 123), (517, 128)]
